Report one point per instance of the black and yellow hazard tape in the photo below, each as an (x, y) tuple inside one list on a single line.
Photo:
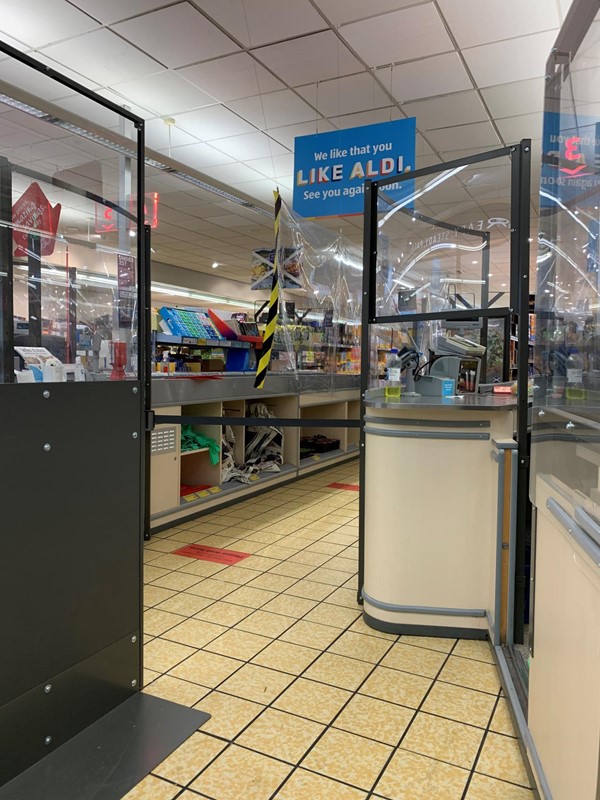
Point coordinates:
[(269, 335)]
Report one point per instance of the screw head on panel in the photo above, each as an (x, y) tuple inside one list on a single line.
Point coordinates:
[(48, 688), (134, 435), (47, 448), (45, 394), (133, 683), (48, 740), (133, 639), (135, 390)]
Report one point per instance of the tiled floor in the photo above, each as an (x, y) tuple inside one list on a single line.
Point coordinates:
[(307, 702)]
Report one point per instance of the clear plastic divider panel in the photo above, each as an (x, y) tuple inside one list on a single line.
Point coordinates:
[(68, 235)]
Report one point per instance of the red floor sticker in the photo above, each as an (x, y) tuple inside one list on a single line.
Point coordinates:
[(351, 486), (215, 554)]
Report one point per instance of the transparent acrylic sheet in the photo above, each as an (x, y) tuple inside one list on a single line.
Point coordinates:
[(566, 343), (321, 337), (70, 223)]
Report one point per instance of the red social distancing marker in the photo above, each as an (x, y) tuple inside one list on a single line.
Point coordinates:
[(350, 486), (216, 554)]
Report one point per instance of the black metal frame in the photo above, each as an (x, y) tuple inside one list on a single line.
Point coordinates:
[(6, 275), (517, 310)]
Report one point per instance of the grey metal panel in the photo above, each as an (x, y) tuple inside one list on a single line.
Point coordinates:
[(70, 549), (581, 537), (111, 756), (505, 445), (519, 717), (468, 402), (427, 434), (449, 632), (430, 423), (448, 612)]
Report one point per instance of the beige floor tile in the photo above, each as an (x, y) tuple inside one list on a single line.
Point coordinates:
[(239, 575), (312, 700), (484, 788), (188, 536), (472, 648), (272, 582), (336, 616), (310, 558), (444, 740), (343, 597), (153, 595), (259, 684), (311, 590), (472, 674), (501, 758), (291, 569), (281, 735), (207, 669), (286, 657), (346, 673), (152, 788), (325, 548), (177, 691), (261, 562), (375, 719), (179, 581), (414, 659), (207, 527), (460, 704), (169, 561), (265, 623), (409, 776), (360, 626), (429, 642), (266, 536), (184, 764), (160, 655), (194, 632), (223, 540), (356, 645), (150, 675), (229, 715), (238, 644), (240, 774), (332, 577), (348, 758), (304, 785), (185, 604), (212, 587), (157, 621), (223, 613), (148, 556), (249, 597), (290, 606), (278, 551), (246, 546), (203, 569), (153, 573), (311, 634), (343, 564), (502, 721), (396, 687)]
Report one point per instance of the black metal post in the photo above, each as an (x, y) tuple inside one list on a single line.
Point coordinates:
[(34, 283), (485, 300), (146, 344), (506, 350), (520, 232), (367, 315), (6, 275)]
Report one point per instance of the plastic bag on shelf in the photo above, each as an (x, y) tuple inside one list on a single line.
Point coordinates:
[(195, 440)]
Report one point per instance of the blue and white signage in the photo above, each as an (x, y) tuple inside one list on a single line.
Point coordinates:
[(330, 168)]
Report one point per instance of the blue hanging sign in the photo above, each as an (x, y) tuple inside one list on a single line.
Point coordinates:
[(330, 168)]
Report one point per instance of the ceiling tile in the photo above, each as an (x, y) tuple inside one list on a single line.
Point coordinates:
[(427, 78), (510, 99), (38, 24), (262, 189), (273, 109), (231, 221), (351, 10), (511, 60), (88, 110), (157, 135), (309, 59), (273, 167), (249, 146), (400, 36), (198, 155), (165, 92), (564, 6), (346, 95), (262, 21), (287, 133), (367, 117), (452, 109), (472, 26), (177, 35), (231, 77), (213, 122), (34, 82), (103, 57), (478, 134), (526, 126), (109, 11), (232, 174)]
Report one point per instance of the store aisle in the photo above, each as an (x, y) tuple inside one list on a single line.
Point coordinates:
[(307, 702)]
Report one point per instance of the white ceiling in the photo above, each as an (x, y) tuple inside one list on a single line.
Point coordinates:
[(241, 78)]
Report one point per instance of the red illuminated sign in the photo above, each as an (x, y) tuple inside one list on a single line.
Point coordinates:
[(34, 212), (106, 218)]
